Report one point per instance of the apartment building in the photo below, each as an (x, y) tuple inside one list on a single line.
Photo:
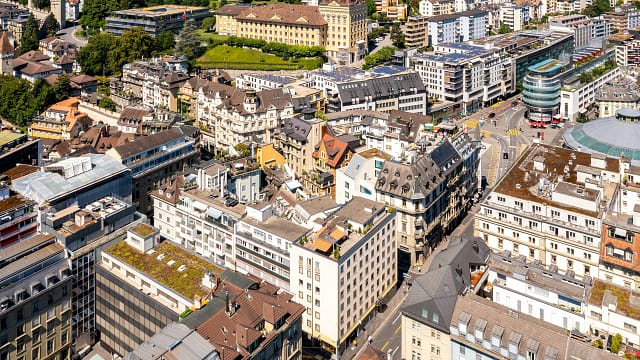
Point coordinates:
[(549, 206), (456, 28), (513, 16), (612, 310), (529, 288), (358, 178), (584, 29), (353, 89), (61, 121), (346, 29), (16, 148), (298, 138), (623, 18), (431, 8), (458, 269), (155, 19), (259, 82), (17, 217), (331, 153), (263, 242), (392, 8), (231, 116), (35, 300), (627, 45), (344, 269), (442, 29), (618, 94), (416, 31), (466, 76), (399, 133)]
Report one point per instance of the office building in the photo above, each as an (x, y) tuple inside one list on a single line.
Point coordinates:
[(458, 269), (577, 97), (540, 91), (61, 121), (17, 217), (35, 300), (153, 159), (457, 28), (346, 29), (155, 19), (340, 272), (584, 29), (548, 207)]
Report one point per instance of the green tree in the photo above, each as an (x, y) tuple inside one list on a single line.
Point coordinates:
[(94, 57), (21, 100), (208, 23), (381, 56), (615, 343), (62, 87), (397, 36), (165, 41), (585, 77), (29, 39), (51, 25), (107, 103), (597, 8), (371, 7), (42, 4), (187, 42), (504, 28)]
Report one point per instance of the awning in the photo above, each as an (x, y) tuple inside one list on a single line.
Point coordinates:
[(621, 232), (428, 126), (293, 184), (214, 213), (618, 252), (322, 245), (199, 206)]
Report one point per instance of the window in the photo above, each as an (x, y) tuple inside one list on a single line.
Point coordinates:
[(50, 346), (346, 184), (628, 255), (35, 353), (500, 243)]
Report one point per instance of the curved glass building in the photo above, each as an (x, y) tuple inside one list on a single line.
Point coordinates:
[(541, 91)]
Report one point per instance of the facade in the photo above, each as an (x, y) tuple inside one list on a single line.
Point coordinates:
[(584, 29), (259, 82), (353, 89), (611, 310), (627, 47), (513, 16), (61, 121), (17, 217), (554, 298), (540, 90), (555, 220), (623, 18), (337, 275), (457, 28), (35, 300), (155, 19), (358, 178), (399, 134), (297, 140), (330, 154), (616, 95), (433, 8), (574, 100), (153, 159), (442, 29), (465, 76), (18, 149), (458, 269), (392, 8), (417, 30), (346, 29)]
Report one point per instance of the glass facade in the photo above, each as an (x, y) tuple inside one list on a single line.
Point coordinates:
[(541, 90)]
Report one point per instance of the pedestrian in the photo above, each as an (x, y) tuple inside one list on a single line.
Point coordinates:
[(370, 339)]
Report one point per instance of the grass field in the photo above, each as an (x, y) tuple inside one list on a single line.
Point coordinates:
[(227, 57), (205, 36)]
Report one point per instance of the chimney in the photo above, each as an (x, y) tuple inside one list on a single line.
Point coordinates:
[(475, 246)]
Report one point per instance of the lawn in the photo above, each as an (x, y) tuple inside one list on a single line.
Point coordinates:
[(227, 57), (206, 36)]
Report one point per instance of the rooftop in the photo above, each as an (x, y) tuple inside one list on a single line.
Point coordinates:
[(7, 137), (188, 283), (173, 342), (279, 227), (375, 153), (143, 230), (12, 202), (626, 301), (161, 10)]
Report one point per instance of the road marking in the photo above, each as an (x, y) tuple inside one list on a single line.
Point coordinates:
[(396, 319), (395, 350), (398, 329), (384, 346), (471, 124)]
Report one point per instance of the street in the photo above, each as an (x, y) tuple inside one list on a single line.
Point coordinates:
[(69, 34)]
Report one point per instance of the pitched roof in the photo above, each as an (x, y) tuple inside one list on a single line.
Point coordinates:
[(34, 68), (283, 14), (33, 55), (5, 43), (296, 128), (147, 142), (335, 148)]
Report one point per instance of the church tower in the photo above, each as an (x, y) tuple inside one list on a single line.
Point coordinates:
[(6, 54)]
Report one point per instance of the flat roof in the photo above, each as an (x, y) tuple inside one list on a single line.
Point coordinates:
[(161, 10), (7, 137), (12, 202), (188, 283), (279, 227), (143, 230), (627, 303)]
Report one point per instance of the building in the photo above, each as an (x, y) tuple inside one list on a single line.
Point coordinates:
[(155, 19), (268, 157), (554, 217), (481, 329), (458, 269), (162, 284), (346, 29), (513, 16), (34, 65), (584, 29), (297, 141), (78, 181), (331, 153), (392, 8), (35, 300), (263, 242), (61, 121), (344, 269), (6, 54), (627, 47), (60, 51), (17, 217), (400, 133), (259, 82), (623, 18), (431, 8), (358, 178), (464, 77), (540, 91), (16, 148), (175, 340), (616, 95), (611, 310), (353, 89), (416, 31), (153, 159), (230, 116), (528, 288), (577, 97), (226, 23), (457, 28)]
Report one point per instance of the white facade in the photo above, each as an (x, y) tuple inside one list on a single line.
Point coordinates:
[(419, 339), (513, 16), (435, 7), (611, 318), (584, 28), (443, 29), (358, 178), (574, 101)]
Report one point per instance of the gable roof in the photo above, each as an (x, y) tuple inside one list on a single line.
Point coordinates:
[(144, 143), (296, 129), (335, 148)]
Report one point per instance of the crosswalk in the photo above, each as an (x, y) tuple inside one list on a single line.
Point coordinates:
[(471, 123), (486, 133), (514, 132)]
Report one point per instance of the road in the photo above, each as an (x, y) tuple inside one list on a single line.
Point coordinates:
[(69, 34)]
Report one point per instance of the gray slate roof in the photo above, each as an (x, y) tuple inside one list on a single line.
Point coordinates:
[(174, 341), (381, 88), (296, 129)]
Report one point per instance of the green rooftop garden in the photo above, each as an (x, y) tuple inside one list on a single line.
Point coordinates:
[(623, 306), (187, 282)]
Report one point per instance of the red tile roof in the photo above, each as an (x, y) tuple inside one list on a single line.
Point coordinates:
[(335, 148), (5, 44)]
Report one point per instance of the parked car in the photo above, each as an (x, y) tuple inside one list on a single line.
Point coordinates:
[(491, 115)]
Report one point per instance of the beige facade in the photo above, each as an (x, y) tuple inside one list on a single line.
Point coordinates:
[(416, 32), (283, 33), (347, 29), (421, 341)]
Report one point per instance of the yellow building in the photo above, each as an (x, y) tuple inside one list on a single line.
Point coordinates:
[(392, 8), (347, 29), (268, 157), (283, 23), (61, 121)]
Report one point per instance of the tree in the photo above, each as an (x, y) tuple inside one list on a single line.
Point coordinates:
[(371, 7), (29, 39), (20, 100), (504, 28), (94, 57), (134, 44), (597, 8), (585, 77), (107, 103), (42, 4), (208, 23), (62, 87), (51, 25), (187, 42), (397, 37), (165, 41), (615, 343)]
